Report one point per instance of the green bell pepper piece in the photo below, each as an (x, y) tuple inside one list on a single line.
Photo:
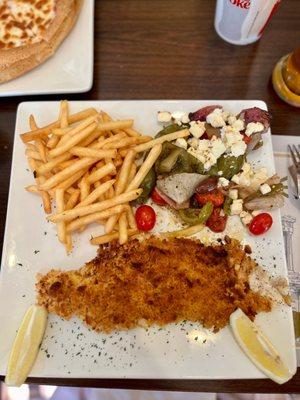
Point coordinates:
[(147, 185), (194, 216), (230, 165)]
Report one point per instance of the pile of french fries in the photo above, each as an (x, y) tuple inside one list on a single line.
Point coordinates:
[(87, 164)]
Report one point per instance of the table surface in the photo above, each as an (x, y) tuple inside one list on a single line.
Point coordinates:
[(168, 49)]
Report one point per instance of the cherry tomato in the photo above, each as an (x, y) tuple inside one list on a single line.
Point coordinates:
[(217, 222), (145, 218), (156, 197), (215, 196), (246, 139), (260, 224)]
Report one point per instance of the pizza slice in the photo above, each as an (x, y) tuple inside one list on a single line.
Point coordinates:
[(31, 31)]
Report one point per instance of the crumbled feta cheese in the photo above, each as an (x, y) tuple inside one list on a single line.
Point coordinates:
[(223, 182), (231, 119), (250, 177), (193, 142), (233, 141), (208, 151), (238, 125), (243, 178), (253, 127), (180, 117), (256, 212), (220, 173), (236, 207), (225, 115), (233, 194), (259, 177), (238, 149), (216, 119), (246, 217), (185, 118), (181, 142), (246, 168), (164, 116), (235, 179), (217, 147), (265, 188), (197, 128)]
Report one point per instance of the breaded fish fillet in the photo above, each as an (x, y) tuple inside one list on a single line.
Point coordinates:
[(155, 282)]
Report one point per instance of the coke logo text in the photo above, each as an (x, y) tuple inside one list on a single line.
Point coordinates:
[(245, 4)]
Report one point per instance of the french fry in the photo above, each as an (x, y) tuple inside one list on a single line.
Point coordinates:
[(64, 113), (123, 235), (90, 139), (113, 139), (131, 219), (61, 228), (96, 193), (30, 146), (66, 164), (98, 240), (128, 131), (32, 189), (42, 152), (38, 143), (86, 152), (46, 130), (73, 200), (121, 184), (88, 219), (191, 230), (45, 196), (166, 138), (50, 165), (101, 172), (61, 131), (121, 124), (84, 187), (145, 167), (69, 190), (74, 160), (77, 129), (96, 207), (132, 132), (63, 118), (41, 148), (69, 244), (53, 141), (122, 180), (132, 172), (33, 154), (70, 181), (73, 140), (127, 141), (67, 173)]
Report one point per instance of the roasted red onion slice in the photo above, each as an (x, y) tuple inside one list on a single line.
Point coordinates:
[(256, 114), (207, 185), (265, 203), (202, 113)]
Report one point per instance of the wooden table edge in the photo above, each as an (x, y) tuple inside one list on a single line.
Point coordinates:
[(177, 385)]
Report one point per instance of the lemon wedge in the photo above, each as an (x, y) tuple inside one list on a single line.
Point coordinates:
[(26, 345), (258, 347)]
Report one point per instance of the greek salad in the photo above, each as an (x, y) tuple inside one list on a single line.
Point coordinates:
[(206, 177)]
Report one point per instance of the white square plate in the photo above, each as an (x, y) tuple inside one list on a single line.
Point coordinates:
[(69, 348), (69, 70)]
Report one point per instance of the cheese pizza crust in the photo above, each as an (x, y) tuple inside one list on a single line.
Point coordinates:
[(31, 31)]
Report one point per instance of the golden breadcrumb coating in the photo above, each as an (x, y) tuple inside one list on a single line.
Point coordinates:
[(155, 282)]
